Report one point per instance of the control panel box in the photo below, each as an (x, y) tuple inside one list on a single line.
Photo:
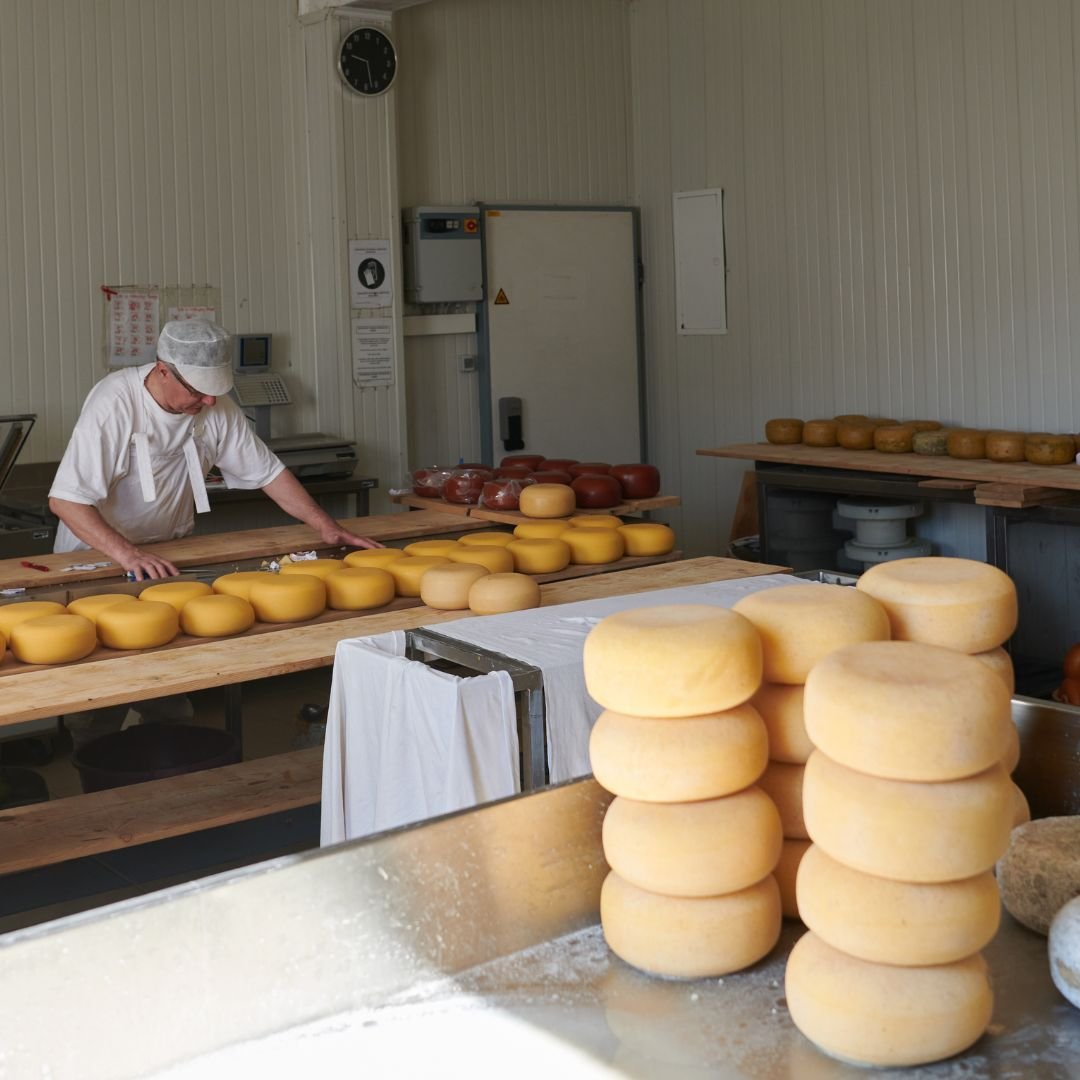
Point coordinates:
[(442, 262)]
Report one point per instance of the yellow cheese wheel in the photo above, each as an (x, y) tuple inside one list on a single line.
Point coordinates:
[(216, 615), (486, 539), (786, 874), (447, 587), (894, 439), (493, 559), (540, 530), (687, 937), (1005, 445), (423, 548), (998, 660), (703, 848), (294, 598), (594, 547), (359, 588), (89, 606), (1021, 808), (781, 707), (320, 568), (820, 432), (905, 830), (956, 603), (1043, 449), (931, 443), (907, 711), (547, 501), (52, 639), (672, 660), (896, 922), (648, 538), (783, 783), (240, 583), (407, 572), (140, 624), (856, 434), (784, 431), (680, 760), (14, 613), (966, 444), (378, 557), (496, 594), (595, 521), (883, 1015), (177, 593), (539, 556), (800, 624)]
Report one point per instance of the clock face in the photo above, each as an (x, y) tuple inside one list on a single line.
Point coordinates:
[(367, 61)]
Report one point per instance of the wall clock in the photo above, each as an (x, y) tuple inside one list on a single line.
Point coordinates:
[(367, 61)]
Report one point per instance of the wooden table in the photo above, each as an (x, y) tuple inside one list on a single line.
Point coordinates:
[(513, 517)]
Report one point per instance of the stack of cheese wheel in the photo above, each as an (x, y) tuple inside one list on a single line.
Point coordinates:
[(691, 841), (798, 625), (908, 807)]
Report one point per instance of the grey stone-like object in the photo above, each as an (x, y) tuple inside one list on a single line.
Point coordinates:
[(1065, 951), (1040, 872)]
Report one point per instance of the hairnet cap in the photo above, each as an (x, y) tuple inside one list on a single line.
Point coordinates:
[(201, 352)]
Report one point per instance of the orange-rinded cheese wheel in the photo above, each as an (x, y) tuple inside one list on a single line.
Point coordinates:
[(240, 583), (1042, 449), (140, 624), (539, 556), (177, 593), (905, 830), (425, 548), (407, 572), (820, 432), (703, 848), (216, 615), (486, 539), (13, 614), (295, 598), (856, 435), (965, 443), (956, 603), (52, 639), (786, 874), (883, 1015), (781, 708), (447, 587), (490, 557), (647, 538), (896, 922), (547, 501), (998, 660), (672, 660), (89, 606), (1005, 445), (595, 521), (678, 760), (320, 568), (687, 937), (496, 594), (931, 443), (783, 783), (799, 624), (894, 439), (540, 530), (784, 431), (907, 711), (594, 547), (359, 588), (378, 557)]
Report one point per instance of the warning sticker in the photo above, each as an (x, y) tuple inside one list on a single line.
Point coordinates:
[(501, 298)]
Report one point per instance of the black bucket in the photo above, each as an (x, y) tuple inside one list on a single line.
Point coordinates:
[(21, 787), (153, 752)]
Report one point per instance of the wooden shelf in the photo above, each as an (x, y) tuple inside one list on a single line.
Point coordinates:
[(514, 517)]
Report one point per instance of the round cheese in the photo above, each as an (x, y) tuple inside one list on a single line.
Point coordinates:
[(547, 501), (447, 587), (896, 922), (89, 606), (216, 615), (883, 1015), (904, 830), (489, 557), (894, 439), (680, 760), (672, 660), (377, 557), (540, 530), (956, 603), (1064, 950), (701, 848), (856, 435), (295, 598), (781, 708), (931, 443), (539, 556), (177, 593), (690, 938), (240, 583), (13, 614), (966, 444), (1021, 808), (52, 639), (783, 783), (820, 432), (998, 660), (800, 624), (486, 539), (320, 568), (496, 594), (140, 624), (1005, 445), (408, 572), (359, 588), (784, 431), (786, 873), (907, 711), (424, 548), (593, 547), (1042, 449), (1040, 872), (647, 538), (595, 521)]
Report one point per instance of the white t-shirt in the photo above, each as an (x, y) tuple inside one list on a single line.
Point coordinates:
[(99, 467)]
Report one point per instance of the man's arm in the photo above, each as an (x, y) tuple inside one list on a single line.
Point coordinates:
[(290, 495)]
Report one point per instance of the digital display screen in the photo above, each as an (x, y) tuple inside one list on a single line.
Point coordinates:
[(253, 351)]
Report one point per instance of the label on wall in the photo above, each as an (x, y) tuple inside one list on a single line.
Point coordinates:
[(133, 328), (371, 283), (373, 352)]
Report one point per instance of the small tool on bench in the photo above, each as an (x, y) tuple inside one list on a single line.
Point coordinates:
[(33, 565)]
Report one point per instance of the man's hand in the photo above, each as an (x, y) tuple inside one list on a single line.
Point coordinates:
[(339, 536), (147, 566)]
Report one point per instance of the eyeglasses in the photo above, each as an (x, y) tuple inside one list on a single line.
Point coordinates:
[(185, 384)]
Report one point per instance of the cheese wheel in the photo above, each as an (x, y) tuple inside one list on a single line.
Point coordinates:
[(907, 711), (89, 606), (690, 938), (672, 660), (594, 547), (966, 444), (595, 521), (896, 922), (1040, 872), (52, 639), (407, 572), (998, 660), (1021, 807), (424, 548), (647, 538), (1005, 445), (1042, 449), (894, 439), (1064, 951), (931, 443), (681, 760), (140, 624), (959, 604), (784, 431), (703, 848), (786, 874), (783, 784), (883, 1015), (496, 594), (781, 707), (294, 598), (378, 557), (800, 624), (240, 583), (447, 587), (13, 614), (539, 556), (547, 501), (216, 615), (359, 588), (493, 559), (540, 530), (820, 432), (320, 568), (904, 830), (177, 593), (486, 539), (856, 435)]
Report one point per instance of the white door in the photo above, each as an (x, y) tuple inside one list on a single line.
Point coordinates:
[(563, 331)]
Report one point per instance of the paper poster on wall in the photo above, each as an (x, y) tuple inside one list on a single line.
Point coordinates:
[(179, 313), (371, 282), (133, 328), (373, 352)]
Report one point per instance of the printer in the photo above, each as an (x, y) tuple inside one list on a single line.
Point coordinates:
[(314, 456)]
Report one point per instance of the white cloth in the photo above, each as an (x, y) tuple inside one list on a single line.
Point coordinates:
[(100, 466), (405, 742)]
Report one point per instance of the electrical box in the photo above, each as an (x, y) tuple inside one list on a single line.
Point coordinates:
[(442, 248)]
